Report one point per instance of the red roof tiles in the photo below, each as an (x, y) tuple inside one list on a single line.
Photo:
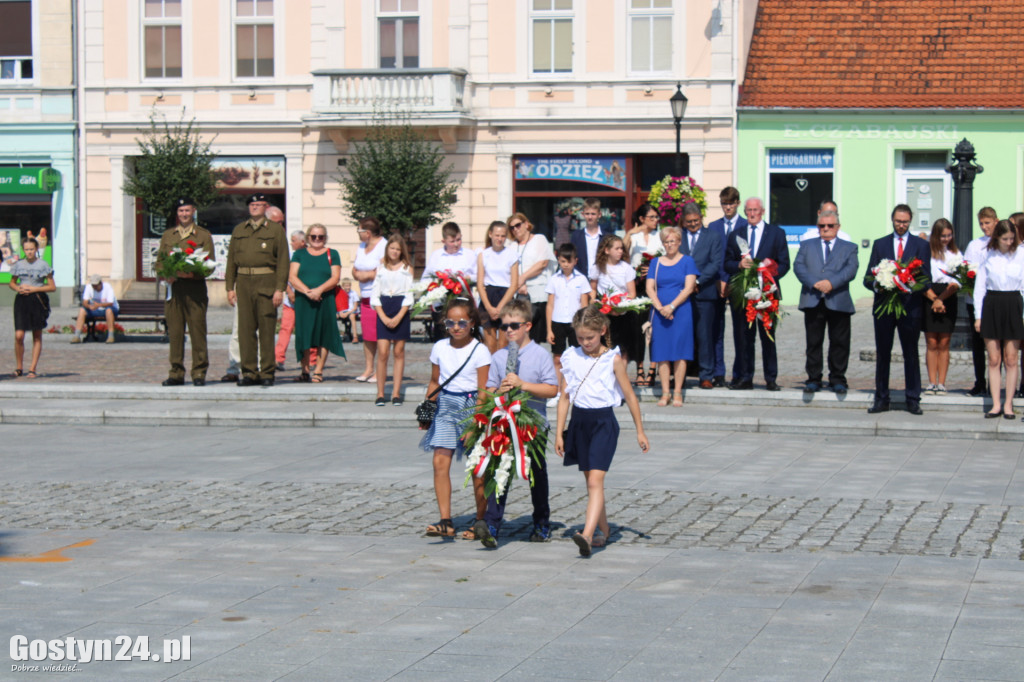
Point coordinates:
[(886, 54)]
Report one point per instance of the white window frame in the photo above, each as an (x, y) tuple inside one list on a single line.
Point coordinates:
[(552, 15), (150, 22), (34, 57), (271, 21), (399, 18), (650, 13)]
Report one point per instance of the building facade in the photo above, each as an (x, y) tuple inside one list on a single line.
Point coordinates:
[(537, 103)]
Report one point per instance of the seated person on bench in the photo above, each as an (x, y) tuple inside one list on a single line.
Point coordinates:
[(98, 303)]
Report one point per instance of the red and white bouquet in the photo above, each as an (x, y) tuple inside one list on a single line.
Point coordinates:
[(755, 291), (893, 278), (962, 271), (645, 262), (436, 291), (190, 260), (621, 303), (501, 437)]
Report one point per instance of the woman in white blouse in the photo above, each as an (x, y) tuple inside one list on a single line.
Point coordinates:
[(997, 294), (536, 263), (364, 270), (391, 298), (940, 316), (644, 238)]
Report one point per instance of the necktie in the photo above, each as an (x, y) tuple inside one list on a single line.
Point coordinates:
[(693, 241), (753, 241), (828, 250), (899, 251)]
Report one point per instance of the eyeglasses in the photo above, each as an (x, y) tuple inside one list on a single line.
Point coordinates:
[(651, 216), (514, 326), (317, 237), (826, 227), (900, 222), (452, 324)]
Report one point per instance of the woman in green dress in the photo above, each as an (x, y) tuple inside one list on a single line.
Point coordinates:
[(314, 274)]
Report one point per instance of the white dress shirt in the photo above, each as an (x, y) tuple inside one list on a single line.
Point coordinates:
[(463, 260), (1000, 272)]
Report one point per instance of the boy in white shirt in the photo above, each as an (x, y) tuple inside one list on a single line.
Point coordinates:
[(568, 291)]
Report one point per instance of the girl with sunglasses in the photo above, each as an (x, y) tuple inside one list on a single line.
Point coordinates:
[(459, 368)]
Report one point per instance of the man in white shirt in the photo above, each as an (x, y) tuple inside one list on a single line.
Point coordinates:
[(98, 302), (975, 255)]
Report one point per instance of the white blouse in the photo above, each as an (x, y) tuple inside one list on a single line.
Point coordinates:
[(534, 250), (450, 359), (1000, 272), (392, 283), (938, 276), (600, 387), (615, 277), (498, 266), (639, 245), (369, 261)]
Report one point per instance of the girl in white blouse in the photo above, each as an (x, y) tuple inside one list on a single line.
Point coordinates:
[(940, 316), (612, 274), (593, 382), (391, 297), (497, 278), (997, 294)]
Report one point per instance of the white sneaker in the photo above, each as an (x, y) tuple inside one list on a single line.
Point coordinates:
[(940, 389), (929, 389)]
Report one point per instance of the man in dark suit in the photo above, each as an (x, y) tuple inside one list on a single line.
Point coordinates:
[(764, 241), (587, 239), (825, 266), (903, 247), (705, 247), (729, 198)]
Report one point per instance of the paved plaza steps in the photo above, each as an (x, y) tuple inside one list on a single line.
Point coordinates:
[(328, 406)]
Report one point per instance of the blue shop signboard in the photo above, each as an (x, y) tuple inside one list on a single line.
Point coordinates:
[(609, 171)]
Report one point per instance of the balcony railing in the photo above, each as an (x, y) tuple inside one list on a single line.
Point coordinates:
[(364, 91)]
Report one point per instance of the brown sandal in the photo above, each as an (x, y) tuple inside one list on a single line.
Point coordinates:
[(318, 377), (442, 528)]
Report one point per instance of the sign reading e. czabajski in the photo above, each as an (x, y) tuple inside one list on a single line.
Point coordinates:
[(29, 180), (609, 171)]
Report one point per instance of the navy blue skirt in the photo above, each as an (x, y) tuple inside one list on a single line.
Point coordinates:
[(591, 438), (391, 305)]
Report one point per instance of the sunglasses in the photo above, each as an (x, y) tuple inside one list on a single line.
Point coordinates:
[(514, 326), (452, 324), (512, 227), (317, 237)]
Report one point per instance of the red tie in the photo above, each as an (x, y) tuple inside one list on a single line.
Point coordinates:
[(899, 251)]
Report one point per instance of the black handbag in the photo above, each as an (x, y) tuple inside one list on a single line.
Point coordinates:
[(427, 410)]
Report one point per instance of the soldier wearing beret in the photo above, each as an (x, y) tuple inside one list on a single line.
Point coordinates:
[(257, 272), (188, 302)]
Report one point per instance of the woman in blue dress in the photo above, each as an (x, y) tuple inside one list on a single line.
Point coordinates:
[(671, 280)]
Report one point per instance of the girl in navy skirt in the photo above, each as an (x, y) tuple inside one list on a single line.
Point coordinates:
[(391, 298), (466, 361), (593, 382), (497, 279)]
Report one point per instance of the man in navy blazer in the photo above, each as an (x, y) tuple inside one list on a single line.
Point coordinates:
[(729, 199), (904, 247), (765, 241), (704, 246), (593, 232), (825, 266)]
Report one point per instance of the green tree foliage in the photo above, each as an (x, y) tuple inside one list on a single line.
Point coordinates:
[(399, 178), (174, 162)]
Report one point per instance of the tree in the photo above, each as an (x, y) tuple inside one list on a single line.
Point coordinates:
[(399, 178), (174, 163)]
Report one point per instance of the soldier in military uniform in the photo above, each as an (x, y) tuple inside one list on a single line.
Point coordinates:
[(257, 272), (188, 302)]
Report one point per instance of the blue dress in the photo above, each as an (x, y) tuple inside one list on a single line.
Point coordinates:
[(672, 339)]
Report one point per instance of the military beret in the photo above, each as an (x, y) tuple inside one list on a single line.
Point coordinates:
[(184, 201), (256, 197)]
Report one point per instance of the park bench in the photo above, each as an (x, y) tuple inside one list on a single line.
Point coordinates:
[(146, 310)]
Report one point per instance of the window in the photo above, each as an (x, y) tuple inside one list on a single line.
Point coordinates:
[(798, 181), (15, 41), (399, 34), (650, 36), (161, 26), (551, 22), (254, 38)]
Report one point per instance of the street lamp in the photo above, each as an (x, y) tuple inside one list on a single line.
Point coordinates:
[(678, 102)]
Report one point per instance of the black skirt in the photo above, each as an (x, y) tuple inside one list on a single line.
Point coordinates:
[(627, 333), (494, 296), (935, 323), (391, 305), (1002, 315), (31, 311)]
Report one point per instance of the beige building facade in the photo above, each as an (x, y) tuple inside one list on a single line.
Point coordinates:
[(537, 103)]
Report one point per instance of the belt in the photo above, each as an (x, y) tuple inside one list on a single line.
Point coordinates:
[(256, 271)]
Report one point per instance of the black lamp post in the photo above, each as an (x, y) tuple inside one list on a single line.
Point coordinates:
[(678, 102), (963, 169)]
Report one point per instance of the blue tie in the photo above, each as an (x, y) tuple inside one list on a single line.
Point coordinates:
[(752, 242), (828, 251)]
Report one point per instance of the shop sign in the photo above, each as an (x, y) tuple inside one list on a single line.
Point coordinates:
[(872, 131), (249, 172), (803, 159), (609, 171), (29, 180)]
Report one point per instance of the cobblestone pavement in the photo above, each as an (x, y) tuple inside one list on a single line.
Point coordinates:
[(143, 358)]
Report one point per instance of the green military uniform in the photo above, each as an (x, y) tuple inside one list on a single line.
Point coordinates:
[(187, 305), (257, 267)]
